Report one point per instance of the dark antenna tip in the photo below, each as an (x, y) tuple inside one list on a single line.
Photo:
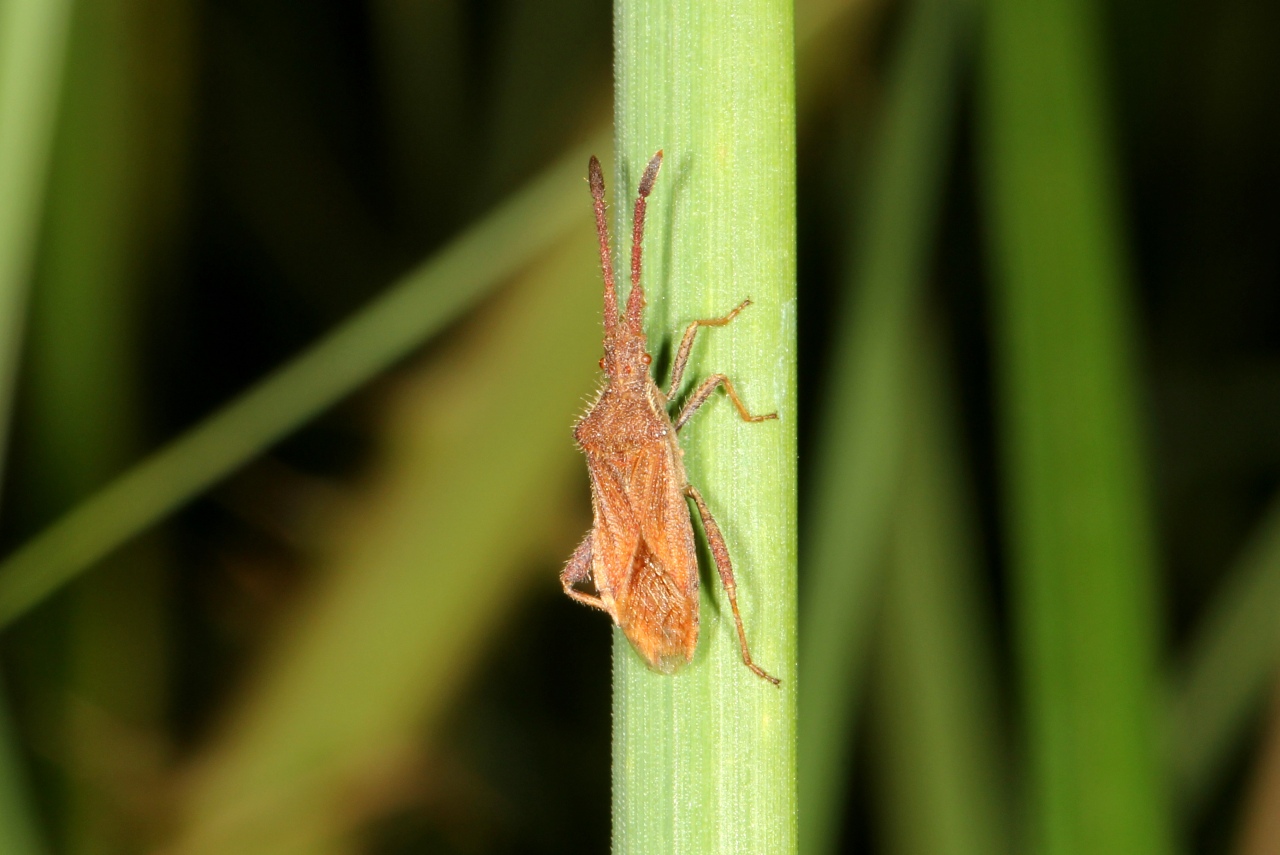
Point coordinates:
[(650, 174)]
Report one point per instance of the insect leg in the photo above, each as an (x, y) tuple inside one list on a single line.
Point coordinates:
[(579, 570), (720, 553), (700, 395), (686, 344)]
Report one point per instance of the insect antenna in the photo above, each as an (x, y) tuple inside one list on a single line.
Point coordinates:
[(596, 178), (635, 300)]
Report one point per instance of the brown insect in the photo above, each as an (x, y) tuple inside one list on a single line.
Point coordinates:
[(640, 552)]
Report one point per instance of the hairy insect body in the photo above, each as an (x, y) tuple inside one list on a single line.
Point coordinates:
[(640, 554)]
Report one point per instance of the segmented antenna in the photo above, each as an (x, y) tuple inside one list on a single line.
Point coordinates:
[(635, 300), (596, 178)]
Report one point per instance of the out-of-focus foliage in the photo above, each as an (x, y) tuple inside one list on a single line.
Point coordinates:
[(298, 302)]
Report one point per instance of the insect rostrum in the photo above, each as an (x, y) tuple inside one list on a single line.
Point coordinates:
[(640, 554)]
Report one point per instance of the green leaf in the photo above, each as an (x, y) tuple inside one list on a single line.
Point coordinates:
[(1081, 546)]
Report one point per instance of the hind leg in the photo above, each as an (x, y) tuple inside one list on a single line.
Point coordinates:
[(724, 566)]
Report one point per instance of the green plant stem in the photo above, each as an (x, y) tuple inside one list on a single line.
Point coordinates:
[(414, 309), (704, 761), (1081, 551), (863, 417)]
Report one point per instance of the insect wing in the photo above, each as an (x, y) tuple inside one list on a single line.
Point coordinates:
[(616, 532), (654, 495), (658, 602)]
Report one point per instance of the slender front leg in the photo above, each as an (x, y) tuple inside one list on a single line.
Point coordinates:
[(686, 344), (720, 553), (700, 395), (579, 570)]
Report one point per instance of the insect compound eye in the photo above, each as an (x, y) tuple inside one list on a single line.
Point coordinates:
[(646, 358), (601, 363)]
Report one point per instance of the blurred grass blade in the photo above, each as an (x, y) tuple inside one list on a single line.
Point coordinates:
[(862, 411), (417, 575), (936, 701), (108, 207), (1232, 660), (32, 42), (33, 37), (704, 761), (414, 309), (80, 409), (1081, 551)]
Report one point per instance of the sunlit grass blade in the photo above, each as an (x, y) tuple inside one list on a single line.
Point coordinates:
[(937, 721), (704, 761), (415, 308), (467, 484), (862, 411), (1231, 661), (1083, 569)]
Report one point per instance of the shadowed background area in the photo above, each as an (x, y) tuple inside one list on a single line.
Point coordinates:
[(298, 303)]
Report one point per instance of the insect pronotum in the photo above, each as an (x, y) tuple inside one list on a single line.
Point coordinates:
[(640, 554)]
